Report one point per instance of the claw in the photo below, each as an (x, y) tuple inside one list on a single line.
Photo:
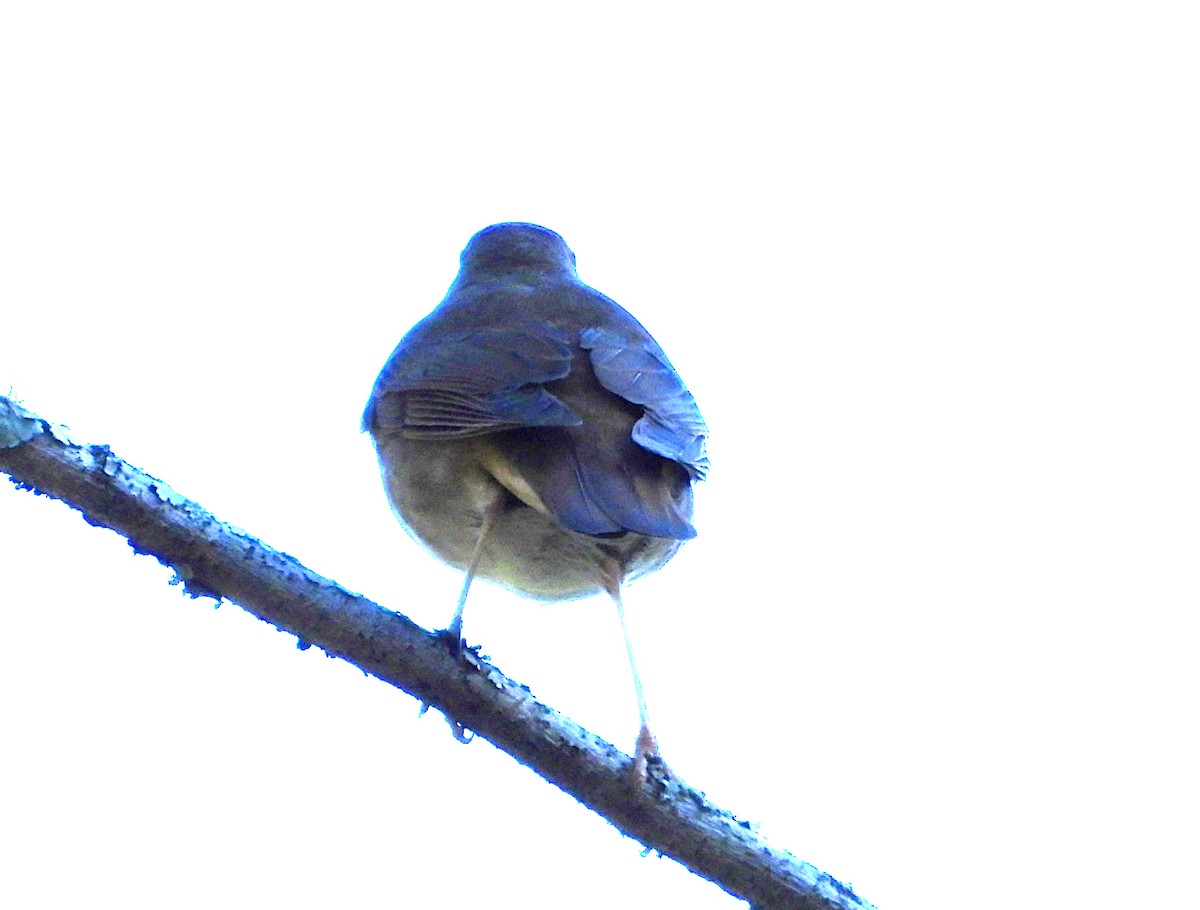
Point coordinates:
[(459, 732)]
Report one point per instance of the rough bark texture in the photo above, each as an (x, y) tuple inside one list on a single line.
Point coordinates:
[(214, 560)]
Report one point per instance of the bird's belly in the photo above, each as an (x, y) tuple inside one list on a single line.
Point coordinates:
[(440, 489)]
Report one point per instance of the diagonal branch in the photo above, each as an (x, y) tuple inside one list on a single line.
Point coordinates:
[(215, 560)]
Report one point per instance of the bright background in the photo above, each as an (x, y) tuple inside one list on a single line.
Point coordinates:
[(931, 272)]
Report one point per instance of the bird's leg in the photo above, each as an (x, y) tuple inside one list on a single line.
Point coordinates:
[(646, 747), (453, 632), (490, 513)]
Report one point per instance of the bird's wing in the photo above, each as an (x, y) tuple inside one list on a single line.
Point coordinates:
[(473, 381), (602, 483), (629, 466), (639, 372)]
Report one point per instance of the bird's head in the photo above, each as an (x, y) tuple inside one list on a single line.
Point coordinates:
[(517, 246)]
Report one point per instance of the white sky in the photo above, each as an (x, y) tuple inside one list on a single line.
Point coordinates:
[(930, 271)]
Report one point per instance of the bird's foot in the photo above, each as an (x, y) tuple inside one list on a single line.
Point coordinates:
[(457, 730), (452, 638), (645, 754)]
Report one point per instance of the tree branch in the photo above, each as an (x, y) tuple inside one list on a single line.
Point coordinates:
[(213, 559)]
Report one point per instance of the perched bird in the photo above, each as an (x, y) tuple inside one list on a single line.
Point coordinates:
[(532, 433)]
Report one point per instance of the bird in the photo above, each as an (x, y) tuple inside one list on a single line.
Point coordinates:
[(532, 433)]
